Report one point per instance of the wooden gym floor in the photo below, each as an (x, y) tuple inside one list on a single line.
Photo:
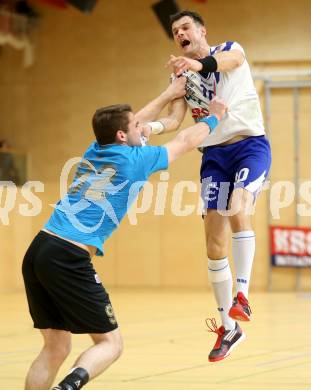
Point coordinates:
[(167, 345)]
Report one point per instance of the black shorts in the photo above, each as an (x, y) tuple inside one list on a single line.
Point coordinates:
[(63, 289)]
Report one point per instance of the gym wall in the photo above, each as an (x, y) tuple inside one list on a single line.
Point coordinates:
[(117, 54)]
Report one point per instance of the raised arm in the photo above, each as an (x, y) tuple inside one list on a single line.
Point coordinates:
[(228, 60), (176, 113), (152, 110), (221, 62), (193, 136)]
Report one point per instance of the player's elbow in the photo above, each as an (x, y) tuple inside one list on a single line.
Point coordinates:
[(173, 123), (186, 141)]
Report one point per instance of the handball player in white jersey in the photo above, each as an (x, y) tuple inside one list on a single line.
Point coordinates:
[(235, 163)]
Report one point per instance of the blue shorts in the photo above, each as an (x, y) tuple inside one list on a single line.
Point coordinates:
[(244, 164)]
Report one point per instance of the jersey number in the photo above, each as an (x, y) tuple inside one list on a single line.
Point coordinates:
[(241, 175), (206, 91)]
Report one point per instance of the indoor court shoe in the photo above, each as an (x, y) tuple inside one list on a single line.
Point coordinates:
[(240, 310), (226, 341), (67, 387)]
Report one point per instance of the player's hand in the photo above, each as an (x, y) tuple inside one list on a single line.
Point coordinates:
[(217, 107), (177, 88), (182, 64)]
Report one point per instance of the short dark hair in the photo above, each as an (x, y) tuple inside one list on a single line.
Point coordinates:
[(193, 15), (108, 120)]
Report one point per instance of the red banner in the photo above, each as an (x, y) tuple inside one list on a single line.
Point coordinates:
[(290, 246)]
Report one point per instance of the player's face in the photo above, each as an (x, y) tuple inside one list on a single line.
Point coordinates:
[(188, 35), (134, 131)]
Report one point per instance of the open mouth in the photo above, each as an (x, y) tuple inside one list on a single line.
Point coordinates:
[(185, 43)]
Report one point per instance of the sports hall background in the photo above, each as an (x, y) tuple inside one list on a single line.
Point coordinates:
[(156, 271), (117, 54)]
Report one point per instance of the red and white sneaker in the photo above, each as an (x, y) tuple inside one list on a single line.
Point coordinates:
[(226, 341), (240, 309)]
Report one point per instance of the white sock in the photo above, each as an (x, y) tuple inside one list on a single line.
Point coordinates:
[(220, 277), (243, 249)]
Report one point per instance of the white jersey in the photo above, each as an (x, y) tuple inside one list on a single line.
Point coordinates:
[(236, 88)]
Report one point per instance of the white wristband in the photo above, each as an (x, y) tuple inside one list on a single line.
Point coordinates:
[(156, 127)]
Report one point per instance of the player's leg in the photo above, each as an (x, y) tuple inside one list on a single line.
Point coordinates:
[(217, 184), (57, 345), (251, 172), (215, 192), (85, 307), (243, 250), (217, 230), (106, 349), (229, 334), (46, 317)]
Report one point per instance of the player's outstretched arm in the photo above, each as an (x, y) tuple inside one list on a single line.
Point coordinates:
[(152, 110), (229, 60), (193, 136), (171, 122), (220, 62)]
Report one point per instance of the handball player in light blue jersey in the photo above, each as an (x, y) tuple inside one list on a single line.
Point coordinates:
[(64, 293)]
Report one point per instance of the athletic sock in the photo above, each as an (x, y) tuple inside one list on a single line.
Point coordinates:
[(243, 249), (220, 277), (77, 378)]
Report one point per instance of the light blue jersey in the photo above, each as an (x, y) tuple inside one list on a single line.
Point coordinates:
[(107, 181)]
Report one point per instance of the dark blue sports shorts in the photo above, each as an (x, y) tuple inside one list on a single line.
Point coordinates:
[(244, 164)]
